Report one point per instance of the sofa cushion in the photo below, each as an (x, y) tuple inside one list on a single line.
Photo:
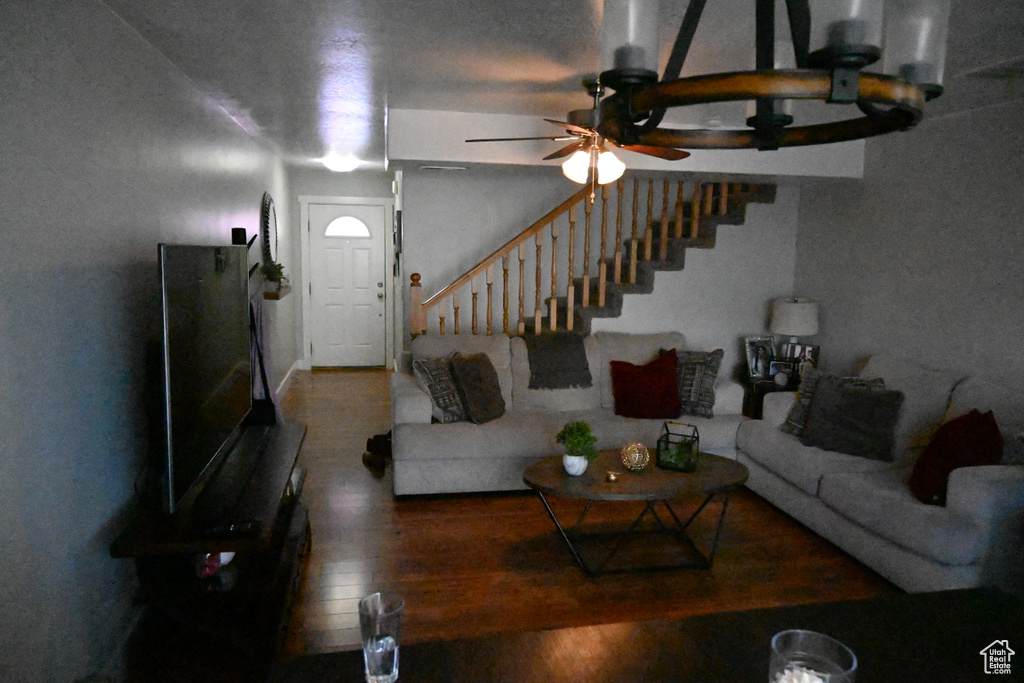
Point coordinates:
[(495, 346), (801, 466), (965, 441), (577, 398), (698, 373), (632, 348), (882, 503), (647, 391), (478, 387), (927, 393), (1006, 404), (435, 375), (853, 418)]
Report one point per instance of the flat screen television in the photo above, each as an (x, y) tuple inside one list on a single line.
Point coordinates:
[(206, 363)]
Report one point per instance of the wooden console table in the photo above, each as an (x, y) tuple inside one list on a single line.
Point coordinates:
[(262, 521)]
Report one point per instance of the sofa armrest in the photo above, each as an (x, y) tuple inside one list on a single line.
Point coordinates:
[(409, 402), (988, 493), (777, 405)]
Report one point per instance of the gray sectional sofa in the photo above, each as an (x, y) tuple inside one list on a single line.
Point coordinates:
[(463, 457), (863, 506), (866, 507)]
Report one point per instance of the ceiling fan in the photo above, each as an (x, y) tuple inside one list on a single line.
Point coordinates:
[(587, 149)]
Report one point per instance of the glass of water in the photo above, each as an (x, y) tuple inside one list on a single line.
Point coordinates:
[(800, 656), (380, 623)]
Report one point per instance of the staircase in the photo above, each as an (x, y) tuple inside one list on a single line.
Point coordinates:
[(550, 277)]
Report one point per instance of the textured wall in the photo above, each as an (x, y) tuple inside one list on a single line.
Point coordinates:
[(924, 255), (105, 151)]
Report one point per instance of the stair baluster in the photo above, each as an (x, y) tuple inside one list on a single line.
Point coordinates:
[(633, 243), (587, 210), (553, 303), (570, 290), (602, 264), (648, 233), (617, 273), (663, 242)]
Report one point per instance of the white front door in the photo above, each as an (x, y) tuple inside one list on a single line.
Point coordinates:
[(348, 283)]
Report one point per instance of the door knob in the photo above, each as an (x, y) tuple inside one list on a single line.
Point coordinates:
[(380, 295)]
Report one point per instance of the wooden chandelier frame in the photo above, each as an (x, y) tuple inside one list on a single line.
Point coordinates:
[(888, 105), (632, 115)]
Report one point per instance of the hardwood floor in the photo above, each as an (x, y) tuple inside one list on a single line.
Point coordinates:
[(477, 564)]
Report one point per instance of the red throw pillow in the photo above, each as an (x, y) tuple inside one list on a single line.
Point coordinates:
[(646, 391), (971, 439)]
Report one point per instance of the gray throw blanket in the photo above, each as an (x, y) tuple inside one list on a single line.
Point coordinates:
[(557, 361)]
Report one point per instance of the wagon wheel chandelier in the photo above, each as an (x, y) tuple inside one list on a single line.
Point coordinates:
[(832, 41)]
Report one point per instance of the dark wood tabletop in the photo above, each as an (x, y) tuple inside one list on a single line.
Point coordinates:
[(713, 474), (933, 637)]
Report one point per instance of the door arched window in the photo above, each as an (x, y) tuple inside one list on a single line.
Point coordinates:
[(348, 227)]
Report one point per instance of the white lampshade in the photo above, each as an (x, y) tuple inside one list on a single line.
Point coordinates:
[(577, 167), (609, 168), (795, 317)]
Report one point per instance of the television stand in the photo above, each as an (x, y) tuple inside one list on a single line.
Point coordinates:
[(266, 526)]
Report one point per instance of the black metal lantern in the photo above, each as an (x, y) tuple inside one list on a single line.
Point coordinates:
[(678, 447)]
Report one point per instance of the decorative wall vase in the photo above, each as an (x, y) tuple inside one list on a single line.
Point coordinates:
[(575, 464)]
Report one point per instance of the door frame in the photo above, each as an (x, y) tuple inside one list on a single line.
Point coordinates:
[(391, 303)]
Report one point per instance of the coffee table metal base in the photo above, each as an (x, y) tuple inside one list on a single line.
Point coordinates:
[(677, 528)]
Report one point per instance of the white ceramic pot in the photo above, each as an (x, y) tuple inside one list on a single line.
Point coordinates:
[(575, 464)]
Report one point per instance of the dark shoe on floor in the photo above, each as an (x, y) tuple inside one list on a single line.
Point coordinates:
[(376, 463)]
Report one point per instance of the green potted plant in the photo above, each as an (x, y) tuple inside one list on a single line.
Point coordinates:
[(579, 447)]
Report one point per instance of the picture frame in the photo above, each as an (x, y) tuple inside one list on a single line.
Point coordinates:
[(802, 353), (787, 368), (760, 353)]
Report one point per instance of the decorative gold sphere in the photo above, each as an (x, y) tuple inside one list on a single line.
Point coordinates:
[(635, 456)]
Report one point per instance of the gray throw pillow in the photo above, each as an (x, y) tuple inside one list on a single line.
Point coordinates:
[(853, 418), (698, 372), (796, 421), (435, 375), (477, 383)]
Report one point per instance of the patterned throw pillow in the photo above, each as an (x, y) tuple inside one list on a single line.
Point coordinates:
[(796, 421), (435, 375), (698, 372)]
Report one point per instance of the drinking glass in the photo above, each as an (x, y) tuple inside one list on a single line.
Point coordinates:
[(380, 623), (800, 656)]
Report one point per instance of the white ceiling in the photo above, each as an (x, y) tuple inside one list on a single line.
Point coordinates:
[(314, 76)]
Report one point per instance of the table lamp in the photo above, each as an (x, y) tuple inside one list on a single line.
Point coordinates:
[(794, 318)]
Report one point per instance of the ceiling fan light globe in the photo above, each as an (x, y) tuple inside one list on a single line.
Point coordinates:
[(609, 168), (577, 167)]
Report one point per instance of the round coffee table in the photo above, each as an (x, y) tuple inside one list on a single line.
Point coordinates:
[(713, 477)]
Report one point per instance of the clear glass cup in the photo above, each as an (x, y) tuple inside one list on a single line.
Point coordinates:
[(800, 656), (380, 624)]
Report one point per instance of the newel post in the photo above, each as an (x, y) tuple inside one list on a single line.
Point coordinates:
[(417, 318)]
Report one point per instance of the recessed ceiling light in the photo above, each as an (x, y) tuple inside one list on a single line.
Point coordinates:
[(340, 163)]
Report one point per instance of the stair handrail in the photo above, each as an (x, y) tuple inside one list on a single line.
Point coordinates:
[(500, 252)]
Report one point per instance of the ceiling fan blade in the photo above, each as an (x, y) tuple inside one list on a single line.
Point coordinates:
[(567, 150), (550, 137), (667, 153), (579, 130)]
